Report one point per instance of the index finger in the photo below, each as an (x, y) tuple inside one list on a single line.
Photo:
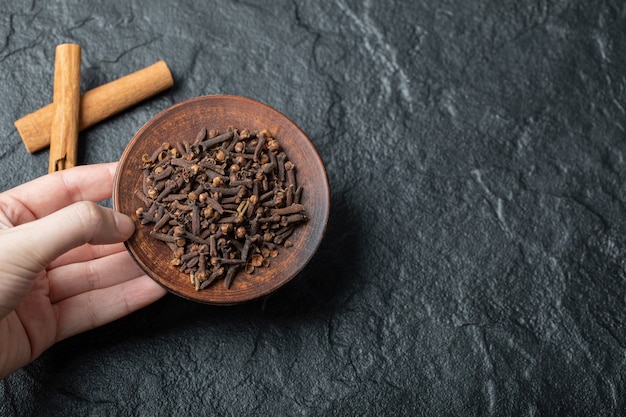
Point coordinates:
[(49, 193)]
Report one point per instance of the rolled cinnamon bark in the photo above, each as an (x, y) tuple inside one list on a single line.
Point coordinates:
[(97, 104), (66, 99)]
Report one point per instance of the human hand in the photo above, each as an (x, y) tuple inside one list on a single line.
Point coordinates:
[(63, 268)]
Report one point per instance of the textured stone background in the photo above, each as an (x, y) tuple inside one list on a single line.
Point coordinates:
[(474, 259)]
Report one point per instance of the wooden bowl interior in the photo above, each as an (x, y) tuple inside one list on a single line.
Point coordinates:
[(182, 122)]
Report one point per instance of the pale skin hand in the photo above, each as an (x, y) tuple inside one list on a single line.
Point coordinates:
[(63, 268)]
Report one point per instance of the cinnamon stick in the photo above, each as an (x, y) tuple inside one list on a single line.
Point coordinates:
[(97, 104), (66, 99)]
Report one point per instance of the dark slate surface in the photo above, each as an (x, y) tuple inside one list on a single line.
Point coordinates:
[(474, 259)]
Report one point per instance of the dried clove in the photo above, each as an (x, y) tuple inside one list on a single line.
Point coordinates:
[(223, 202)]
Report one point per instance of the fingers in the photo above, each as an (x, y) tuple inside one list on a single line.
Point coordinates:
[(87, 252), (36, 244), (52, 192), (29, 248), (96, 308), (73, 279)]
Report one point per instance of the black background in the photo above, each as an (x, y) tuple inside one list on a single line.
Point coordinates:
[(474, 257)]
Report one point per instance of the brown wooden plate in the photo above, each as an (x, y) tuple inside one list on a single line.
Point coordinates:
[(182, 121)]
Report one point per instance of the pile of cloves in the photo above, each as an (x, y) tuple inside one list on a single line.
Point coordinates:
[(223, 202)]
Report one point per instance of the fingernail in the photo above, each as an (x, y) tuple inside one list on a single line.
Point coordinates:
[(124, 224)]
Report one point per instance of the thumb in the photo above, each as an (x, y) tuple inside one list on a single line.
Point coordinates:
[(29, 248)]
